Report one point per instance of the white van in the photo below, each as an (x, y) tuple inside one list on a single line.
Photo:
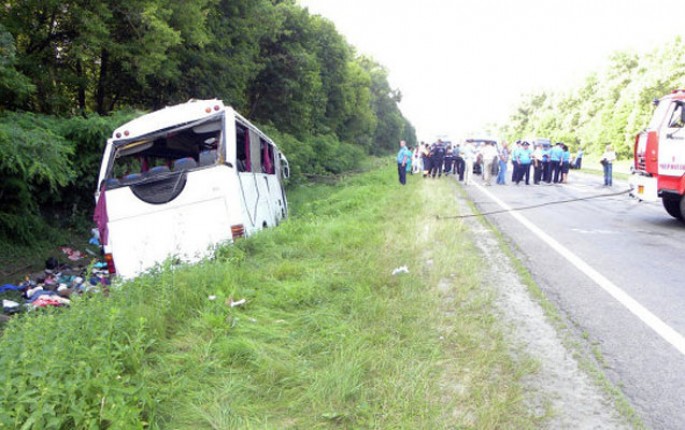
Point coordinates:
[(180, 181)]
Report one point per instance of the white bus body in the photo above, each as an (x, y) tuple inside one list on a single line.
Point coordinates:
[(180, 181)]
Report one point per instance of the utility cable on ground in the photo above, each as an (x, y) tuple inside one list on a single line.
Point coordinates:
[(523, 208)]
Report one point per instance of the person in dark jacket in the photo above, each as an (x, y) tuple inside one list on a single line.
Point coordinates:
[(437, 158), (449, 160)]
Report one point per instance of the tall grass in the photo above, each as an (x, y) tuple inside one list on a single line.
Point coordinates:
[(328, 337)]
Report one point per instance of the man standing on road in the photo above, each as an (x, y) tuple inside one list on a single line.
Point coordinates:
[(546, 163), (437, 158), (515, 161), (607, 161), (403, 157), (425, 159), (469, 154), (578, 162), (449, 160), (537, 163), (488, 153), (458, 161), (503, 160), (524, 159), (555, 160)]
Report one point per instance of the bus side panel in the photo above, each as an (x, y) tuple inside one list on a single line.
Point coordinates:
[(188, 233), (142, 235), (266, 208), (250, 193), (276, 203)]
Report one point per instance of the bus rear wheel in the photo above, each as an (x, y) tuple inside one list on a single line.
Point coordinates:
[(673, 207)]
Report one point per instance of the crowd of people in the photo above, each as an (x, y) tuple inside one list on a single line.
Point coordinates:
[(536, 161)]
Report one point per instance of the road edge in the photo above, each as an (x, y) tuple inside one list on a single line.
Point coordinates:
[(589, 359)]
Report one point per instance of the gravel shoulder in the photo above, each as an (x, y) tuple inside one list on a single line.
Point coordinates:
[(575, 399)]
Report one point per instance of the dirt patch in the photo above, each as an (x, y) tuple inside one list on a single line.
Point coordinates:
[(559, 385)]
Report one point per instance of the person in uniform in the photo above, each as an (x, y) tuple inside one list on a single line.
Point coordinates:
[(403, 157), (437, 158), (515, 161), (546, 163), (524, 160), (555, 160)]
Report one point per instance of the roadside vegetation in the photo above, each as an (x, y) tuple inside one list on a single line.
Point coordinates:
[(609, 107), (327, 337)]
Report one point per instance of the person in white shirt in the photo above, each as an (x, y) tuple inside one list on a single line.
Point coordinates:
[(489, 155), (607, 161), (469, 155), (537, 164)]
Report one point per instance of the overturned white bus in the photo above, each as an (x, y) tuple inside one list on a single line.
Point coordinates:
[(180, 181)]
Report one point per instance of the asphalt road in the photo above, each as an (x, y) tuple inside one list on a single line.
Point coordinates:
[(614, 267)]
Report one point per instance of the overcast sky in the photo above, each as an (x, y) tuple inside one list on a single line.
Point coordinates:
[(461, 64)]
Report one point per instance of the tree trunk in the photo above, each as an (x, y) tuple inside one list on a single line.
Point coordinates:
[(102, 81), (81, 88)]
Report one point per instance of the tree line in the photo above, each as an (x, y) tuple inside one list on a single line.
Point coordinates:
[(71, 71), (610, 106)]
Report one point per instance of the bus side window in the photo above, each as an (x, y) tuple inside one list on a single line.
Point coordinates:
[(255, 152), (242, 148), (267, 155)]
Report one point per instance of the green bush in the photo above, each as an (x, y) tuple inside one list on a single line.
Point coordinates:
[(35, 162), (48, 168)]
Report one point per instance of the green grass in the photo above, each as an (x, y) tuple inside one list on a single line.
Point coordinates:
[(328, 337)]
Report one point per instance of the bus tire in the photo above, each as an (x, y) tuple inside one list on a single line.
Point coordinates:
[(673, 207)]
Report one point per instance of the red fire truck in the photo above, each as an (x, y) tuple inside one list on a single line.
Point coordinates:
[(659, 156)]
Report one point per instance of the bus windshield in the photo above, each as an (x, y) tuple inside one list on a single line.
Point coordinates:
[(159, 153)]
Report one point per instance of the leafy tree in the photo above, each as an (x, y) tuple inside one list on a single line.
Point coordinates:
[(225, 65), (610, 106), (287, 92), (359, 125), (15, 88), (384, 100), (32, 157)]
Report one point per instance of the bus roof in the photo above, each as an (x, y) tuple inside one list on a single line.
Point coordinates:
[(172, 116)]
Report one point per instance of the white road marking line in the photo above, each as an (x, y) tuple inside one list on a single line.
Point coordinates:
[(655, 323)]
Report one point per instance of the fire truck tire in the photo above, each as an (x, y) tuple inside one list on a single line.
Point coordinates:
[(673, 207), (682, 208)]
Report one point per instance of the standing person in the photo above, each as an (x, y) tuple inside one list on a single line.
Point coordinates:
[(426, 159), (403, 155), (488, 154), (565, 163), (503, 160), (437, 158), (459, 161), (524, 159), (546, 163), (537, 164), (515, 161), (607, 161), (469, 155), (449, 160), (409, 160), (416, 164), (579, 159), (555, 160)]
